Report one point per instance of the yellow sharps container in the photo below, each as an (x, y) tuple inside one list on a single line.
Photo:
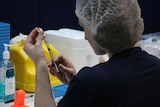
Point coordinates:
[(25, 68)]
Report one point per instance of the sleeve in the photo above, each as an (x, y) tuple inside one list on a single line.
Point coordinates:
[(77, 95)]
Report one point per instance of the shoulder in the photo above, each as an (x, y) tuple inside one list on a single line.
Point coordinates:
[(92, 72), (93, 76)]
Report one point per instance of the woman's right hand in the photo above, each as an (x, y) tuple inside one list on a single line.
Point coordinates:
[(66, 69)]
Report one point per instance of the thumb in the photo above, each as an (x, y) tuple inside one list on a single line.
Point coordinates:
[(40, 37)]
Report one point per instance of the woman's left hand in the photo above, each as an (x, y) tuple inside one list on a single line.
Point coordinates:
[(33, 45)]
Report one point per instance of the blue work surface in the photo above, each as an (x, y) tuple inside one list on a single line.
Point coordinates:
[(59, 90)]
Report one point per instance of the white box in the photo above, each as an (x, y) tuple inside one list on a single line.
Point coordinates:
[(71, 44)]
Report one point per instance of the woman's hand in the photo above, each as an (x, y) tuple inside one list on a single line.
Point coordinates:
[(33, 48), (33, 45), (66, 69)]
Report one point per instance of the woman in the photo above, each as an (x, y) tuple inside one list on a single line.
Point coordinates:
[(130, 78)]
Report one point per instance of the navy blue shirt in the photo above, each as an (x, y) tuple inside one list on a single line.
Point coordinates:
[(129, 79)]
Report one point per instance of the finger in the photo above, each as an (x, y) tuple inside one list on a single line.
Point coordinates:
[(53, 72), (40, 37), (64, 68), (61, 59), (32, 36), (49, 63), (52, 68)]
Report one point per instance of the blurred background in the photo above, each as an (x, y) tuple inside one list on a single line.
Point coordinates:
[(24, 15)]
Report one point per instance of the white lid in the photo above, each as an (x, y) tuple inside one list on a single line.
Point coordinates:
[(67, 38), (18, 38)]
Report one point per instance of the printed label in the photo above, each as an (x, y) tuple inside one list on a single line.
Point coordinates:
[(10, 81)]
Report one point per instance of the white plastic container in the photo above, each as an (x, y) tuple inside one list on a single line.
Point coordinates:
[(73, 46)]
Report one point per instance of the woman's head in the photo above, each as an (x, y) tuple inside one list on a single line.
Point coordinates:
[(114, 24)]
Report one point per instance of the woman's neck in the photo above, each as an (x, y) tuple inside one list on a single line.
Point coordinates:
[(111, 54)]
